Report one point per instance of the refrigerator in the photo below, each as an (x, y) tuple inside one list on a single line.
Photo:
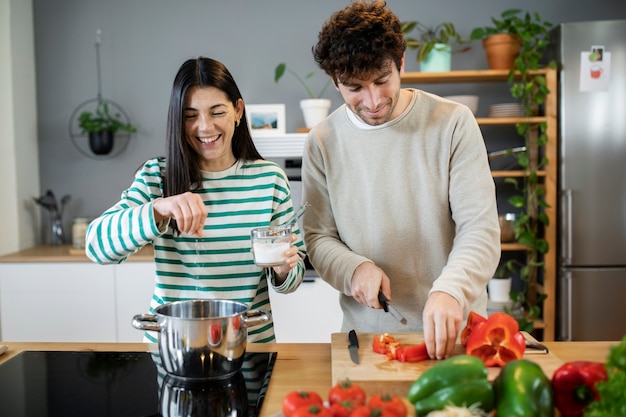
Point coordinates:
[(591, 282)]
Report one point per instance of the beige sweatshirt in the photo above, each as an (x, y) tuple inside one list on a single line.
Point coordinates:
[(414, 196)]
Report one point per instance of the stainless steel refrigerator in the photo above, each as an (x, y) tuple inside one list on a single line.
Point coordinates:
[(591, 286)]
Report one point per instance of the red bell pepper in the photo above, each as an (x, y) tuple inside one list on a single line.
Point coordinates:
[(387, 345), (574, 385), (496, 340), (412, 353), (472, 320)]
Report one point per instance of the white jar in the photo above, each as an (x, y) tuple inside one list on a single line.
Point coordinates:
[(79, 230)]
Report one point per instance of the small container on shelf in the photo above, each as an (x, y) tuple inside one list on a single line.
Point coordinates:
[(79, 229)]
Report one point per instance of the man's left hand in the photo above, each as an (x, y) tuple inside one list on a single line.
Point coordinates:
[(442, 319)]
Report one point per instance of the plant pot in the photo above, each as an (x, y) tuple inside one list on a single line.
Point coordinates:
[(439, 59), (314, 110), (499, 289), (501, 50), (101, 143)]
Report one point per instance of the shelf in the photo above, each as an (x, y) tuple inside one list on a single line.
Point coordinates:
[(471, 76), (509, 247), (514, 174), (548, 173)]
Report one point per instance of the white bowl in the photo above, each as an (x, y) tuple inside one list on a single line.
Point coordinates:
[(469, 101)]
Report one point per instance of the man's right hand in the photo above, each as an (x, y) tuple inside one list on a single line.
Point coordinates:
[(367, 280)]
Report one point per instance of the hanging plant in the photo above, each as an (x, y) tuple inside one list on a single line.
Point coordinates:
[(531, 91)]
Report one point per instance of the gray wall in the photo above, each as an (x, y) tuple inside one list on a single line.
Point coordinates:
[(145, 41)]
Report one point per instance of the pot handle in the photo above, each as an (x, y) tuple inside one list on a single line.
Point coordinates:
[(146, 322), (253, 318)]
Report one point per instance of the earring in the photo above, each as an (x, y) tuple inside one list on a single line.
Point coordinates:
[(237, 123)]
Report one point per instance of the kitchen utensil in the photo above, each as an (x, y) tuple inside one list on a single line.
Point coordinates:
[(353, 347), (201, 338), (3, 348), (389, 308), (299, 213)]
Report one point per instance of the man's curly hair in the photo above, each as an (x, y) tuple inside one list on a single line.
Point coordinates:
[(358, 40)]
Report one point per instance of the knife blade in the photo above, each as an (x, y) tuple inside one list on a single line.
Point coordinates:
[(353, 347), (389, 308)]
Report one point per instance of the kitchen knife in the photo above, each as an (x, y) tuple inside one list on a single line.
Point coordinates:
[(353, 347), (389, 308)]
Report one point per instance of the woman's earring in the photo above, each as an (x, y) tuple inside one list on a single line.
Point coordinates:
[(237, 122)]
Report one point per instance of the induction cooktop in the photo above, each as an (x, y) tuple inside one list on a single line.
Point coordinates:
[(125, 384)]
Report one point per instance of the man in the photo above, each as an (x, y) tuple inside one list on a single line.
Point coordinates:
[(402, 195)]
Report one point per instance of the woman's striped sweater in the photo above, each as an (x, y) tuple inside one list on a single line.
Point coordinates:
[(219, 265)]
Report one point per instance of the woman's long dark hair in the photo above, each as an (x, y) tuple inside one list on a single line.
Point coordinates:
[(182, 172)]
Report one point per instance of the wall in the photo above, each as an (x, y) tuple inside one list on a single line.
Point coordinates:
[(145, 41), (19, 160)]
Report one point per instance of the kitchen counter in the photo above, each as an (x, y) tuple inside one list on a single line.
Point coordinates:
[(301, 366), (66, 253)]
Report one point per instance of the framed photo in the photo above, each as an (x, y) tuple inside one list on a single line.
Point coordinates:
[(266, 119)]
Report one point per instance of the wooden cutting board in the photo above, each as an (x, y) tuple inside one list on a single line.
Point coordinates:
[(379, 375)]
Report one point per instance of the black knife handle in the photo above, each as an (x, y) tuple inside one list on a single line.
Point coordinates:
[(383, 301), (354, 341)]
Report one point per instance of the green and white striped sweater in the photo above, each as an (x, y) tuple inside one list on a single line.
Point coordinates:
[(219, 265)]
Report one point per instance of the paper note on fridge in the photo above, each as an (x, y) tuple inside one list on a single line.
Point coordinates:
[(595, 69)]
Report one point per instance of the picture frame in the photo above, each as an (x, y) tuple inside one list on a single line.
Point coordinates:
[(266, 119)]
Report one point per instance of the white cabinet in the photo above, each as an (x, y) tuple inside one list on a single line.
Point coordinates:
[(134, 285), (57, 302), (308, 315), (73, 302)]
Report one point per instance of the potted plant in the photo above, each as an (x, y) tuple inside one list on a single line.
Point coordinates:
[(101, 127), (434, 44), (314, 109), (509, 35), (499, 287)]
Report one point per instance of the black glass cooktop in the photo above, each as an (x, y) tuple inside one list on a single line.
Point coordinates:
[(125, 384)]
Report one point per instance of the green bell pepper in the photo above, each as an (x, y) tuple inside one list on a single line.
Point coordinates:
[(459, 380), (523, 390)]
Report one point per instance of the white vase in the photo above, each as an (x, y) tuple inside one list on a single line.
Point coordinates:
[(499, 289), (314, 110), (439, 59)]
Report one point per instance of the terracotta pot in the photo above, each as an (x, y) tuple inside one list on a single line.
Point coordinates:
[(501, 50)]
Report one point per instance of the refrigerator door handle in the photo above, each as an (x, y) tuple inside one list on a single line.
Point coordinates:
[(566, 306), (566, 251)]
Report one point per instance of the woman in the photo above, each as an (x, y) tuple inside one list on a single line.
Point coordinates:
[(198, 205)]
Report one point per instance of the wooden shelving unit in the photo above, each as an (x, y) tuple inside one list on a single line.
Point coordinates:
[(548, 175)]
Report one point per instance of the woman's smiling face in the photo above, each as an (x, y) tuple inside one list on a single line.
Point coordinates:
[(210, 120)]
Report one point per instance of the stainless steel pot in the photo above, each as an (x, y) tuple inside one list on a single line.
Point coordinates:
[(202, 338)]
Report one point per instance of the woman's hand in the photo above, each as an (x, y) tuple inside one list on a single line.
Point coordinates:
[(291, 261), (187, 209)]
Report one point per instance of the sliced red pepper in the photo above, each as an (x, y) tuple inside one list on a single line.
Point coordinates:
[(382, 343), (574, 385), (387, 345), (413, 353), (496, 340), (472, 320)]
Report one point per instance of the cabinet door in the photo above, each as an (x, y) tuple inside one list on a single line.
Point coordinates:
[(57, 302), (134, 285), (308, 315)]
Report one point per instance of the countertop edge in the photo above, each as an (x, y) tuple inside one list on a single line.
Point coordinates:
[(65, 253)]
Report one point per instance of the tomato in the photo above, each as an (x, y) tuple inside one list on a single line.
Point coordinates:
[(391, 403), (343, 408), (367, 411), (314, 410), (297, 399), (346, 390)]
